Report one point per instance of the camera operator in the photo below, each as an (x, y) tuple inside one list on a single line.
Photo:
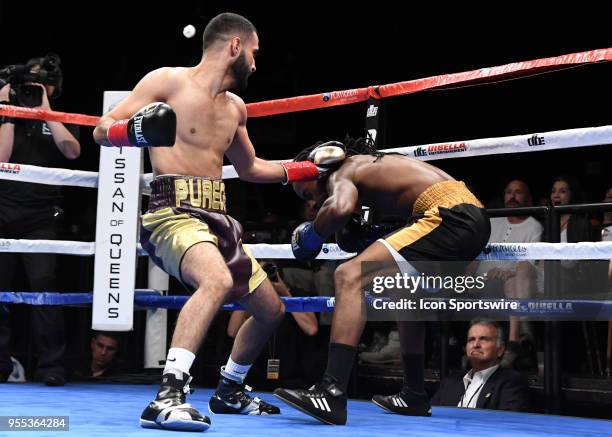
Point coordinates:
[(32, 211)]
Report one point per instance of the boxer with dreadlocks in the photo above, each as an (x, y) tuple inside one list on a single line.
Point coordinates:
[(447, 223)]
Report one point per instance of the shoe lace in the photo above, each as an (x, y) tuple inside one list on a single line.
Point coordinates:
[(242, 393), (316, 391), (323, 389), (187, 390)]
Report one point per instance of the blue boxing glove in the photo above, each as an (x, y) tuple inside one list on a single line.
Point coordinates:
[(306, 243)]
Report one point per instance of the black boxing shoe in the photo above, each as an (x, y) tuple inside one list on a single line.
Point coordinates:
[(405, 402), (325, 401), (231, 398), (169, 409)]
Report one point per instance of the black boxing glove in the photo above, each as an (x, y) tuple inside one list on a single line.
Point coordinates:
[(306, 243), (152, 126), (358, 234), (351, 237)]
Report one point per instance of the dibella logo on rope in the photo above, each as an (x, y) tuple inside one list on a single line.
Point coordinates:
[(536, 140), (514, 250), (7, 167), (440, 149)]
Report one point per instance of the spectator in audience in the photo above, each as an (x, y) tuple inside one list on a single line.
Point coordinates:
[(606, 233), (101, 360), (580, 279), (574, 227), (290, 358), (607, 217), (577, 276), (516, 279), (487, 385), (6, 364)]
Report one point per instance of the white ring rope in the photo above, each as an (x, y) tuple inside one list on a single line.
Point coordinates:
[(56, 176), (497, 251), (534, 142), (581, 137)]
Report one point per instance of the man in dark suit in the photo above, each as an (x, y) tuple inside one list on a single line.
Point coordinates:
[(486, 385)]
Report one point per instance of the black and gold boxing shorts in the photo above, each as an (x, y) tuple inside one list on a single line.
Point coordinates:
[(187, 210), (448, 223)]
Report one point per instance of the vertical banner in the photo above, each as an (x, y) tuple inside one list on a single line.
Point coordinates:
[(371, 127), (372, 124), (116, 232)]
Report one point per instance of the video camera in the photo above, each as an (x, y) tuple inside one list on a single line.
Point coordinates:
[(21, 78)]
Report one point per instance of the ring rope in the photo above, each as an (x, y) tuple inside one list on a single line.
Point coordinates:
[(601, 250), (147, 298), (56, 176), (482, 75), (346, 97), (533, 142)]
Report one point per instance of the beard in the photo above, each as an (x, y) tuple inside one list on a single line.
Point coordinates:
[(241, 72)]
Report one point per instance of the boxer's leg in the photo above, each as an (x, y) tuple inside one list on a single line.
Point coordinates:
[(266, 310), (327, 401)]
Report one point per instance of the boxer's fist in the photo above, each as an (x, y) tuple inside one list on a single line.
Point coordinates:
[(352, 237), (152, 126), (323, 159), (358, 234), (327, 155), (305, 242)]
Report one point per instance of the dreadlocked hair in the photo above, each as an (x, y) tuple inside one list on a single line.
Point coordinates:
[(359, 146)]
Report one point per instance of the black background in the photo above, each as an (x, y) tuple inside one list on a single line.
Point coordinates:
[(312, 47), (309, 47)]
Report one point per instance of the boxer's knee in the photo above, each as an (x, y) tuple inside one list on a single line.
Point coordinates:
[(221, 283), (276, 313), (348, 278), (218, 285)]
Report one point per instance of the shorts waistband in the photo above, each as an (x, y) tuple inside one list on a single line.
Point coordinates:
[(445, 194), (188, 192)]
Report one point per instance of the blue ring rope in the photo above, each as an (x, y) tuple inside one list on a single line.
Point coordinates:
[(144, 299)]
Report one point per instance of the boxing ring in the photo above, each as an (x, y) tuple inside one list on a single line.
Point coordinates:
[(101, 410), (88, 405)]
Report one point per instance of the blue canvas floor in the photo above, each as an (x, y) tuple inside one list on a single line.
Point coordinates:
[(113, 411)]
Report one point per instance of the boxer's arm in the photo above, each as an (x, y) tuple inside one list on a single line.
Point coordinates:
[(241, 153), (337, 208), (154, 87), (249, 167)]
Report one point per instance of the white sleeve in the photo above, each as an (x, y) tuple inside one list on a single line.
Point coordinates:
[(535, 233)]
